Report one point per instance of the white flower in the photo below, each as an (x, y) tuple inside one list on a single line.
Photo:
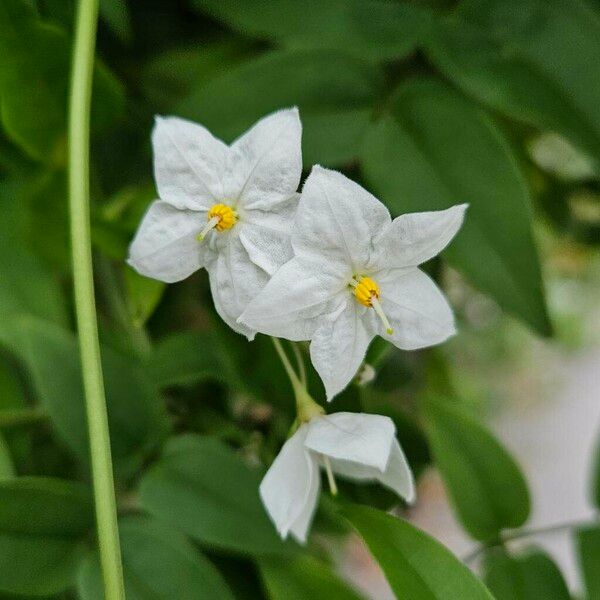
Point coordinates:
[(226, 208), (356, 446), (354, 276)]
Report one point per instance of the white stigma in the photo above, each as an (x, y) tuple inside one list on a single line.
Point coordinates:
[(377, 307), (330, 477), (211, 224)]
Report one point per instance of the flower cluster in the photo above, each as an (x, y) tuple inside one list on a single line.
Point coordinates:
[(328, 266)]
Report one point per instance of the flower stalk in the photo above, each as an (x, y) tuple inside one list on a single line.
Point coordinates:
[(79, 134)]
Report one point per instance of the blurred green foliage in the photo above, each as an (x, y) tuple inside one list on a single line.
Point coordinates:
[(427, 104)]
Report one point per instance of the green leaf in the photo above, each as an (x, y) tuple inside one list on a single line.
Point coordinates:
[(534, 60), (335, 94), (301, 578), (532, 575), (135, 411), (27, 289), (416, 566), (588, 550), (35, 59), (485, 484), (116, 15), (174, 74), (143, 296), (41, 524), (157, 563), (205, 490), (188, 357), (372, 29), (7, 469), (438, 149)]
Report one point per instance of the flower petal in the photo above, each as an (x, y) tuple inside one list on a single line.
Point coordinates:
[(190, 164), (338, 219), (359, 438), (270, 160), (417, 309), (294, 301), (414, 238), (339, 345), (234, 281), (165, 246), (290, 488), (266, 234), (397, 475)]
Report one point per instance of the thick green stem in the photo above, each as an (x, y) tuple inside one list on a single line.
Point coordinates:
[(79, 127)]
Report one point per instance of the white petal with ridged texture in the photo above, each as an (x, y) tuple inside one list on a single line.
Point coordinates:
[(234, 281), (338, 219), (190, 164), (339, 345), (414, 238), (416, 308), (165, 246), (293, 302), (271, 160), (361, 438), (290, 488)]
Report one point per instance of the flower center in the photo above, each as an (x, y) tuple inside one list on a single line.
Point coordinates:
[(366, 292), (220, 217)]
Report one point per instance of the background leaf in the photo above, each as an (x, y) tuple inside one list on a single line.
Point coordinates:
[(135, 410), (486, 486), (436, 149), (41, 524), (531, 575), (534, 60), (205, 490), (188, 357), (369, 28), (335, 94), (34, 75), (588, 548), (416, 566), (301, 578), (157, 563)]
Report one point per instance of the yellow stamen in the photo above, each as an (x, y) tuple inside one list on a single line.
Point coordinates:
[(367, 293), (330, 477), (220, 217)]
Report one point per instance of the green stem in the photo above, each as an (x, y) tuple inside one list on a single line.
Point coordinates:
[(521, 533), (17, 417), (306, 407), (299, 362), (79, 134)]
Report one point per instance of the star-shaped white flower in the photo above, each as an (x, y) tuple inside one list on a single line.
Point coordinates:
[(360, 447), (355, 275), (226, 208)]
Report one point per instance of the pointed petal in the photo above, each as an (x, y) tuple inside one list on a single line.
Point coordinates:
[(417, 309), (294, 301), (397, 476), (359, 438), (339, 345), (414, 238), (266, 235), (290, 488), (270, 160), (338, 218), (165, 246), (189, 164), (234, 281)]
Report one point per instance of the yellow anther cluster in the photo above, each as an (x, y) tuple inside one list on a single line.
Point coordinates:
[(364, 291), (226, 216)]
